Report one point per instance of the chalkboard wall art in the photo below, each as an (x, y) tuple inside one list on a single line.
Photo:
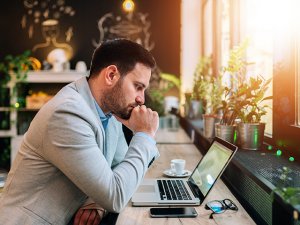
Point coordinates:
[(73, 25)]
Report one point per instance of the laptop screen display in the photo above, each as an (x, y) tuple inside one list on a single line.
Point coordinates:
[(210, 167)]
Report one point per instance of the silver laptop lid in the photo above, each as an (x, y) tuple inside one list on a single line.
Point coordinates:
[(211, 167)]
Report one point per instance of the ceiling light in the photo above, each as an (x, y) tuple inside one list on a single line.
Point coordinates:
[(128, 5)]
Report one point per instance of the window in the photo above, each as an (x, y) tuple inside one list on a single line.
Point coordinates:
[(257, 25), (273, 30)]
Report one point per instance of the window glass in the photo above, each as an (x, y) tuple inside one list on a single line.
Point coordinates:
[(257, 25), (208, 25), (225, 40), (225, 33)]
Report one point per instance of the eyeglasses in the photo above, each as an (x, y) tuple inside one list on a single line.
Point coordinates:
[(220, 206)]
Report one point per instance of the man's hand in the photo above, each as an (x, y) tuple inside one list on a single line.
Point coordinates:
[(89, 215), (142, 119)]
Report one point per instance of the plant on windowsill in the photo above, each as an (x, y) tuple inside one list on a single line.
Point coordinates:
[(157, 94), (250, 109), (226, 128), (236, 69), (214, 102), (155, 98), (235, 72), (244, 102), (201, 84), (187, 104)]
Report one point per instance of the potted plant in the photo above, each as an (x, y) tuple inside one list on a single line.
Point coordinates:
[(201, 82), (13, 69), (187, 104), (244, 102), (250, 109), (226, 128), (214, 101), (156, 94), (235, 74)]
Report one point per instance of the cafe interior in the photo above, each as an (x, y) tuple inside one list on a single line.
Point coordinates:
[(225, 68)]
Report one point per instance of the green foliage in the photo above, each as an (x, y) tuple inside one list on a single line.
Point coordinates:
[(4, 122), (243, 99), (249, 98), (207, 87), (156, 101), (228, 108), (236, 68), (245, 102), (188, 97), (201, 80), (236, 65), (15, 69), (215, 93), (290, 195), (5, 153), (171, 79), (157, 94)]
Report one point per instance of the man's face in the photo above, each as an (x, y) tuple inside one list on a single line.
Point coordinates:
[(128, 92)]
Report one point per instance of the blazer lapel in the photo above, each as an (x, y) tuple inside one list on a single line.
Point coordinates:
[(110, 140), (83, 89)]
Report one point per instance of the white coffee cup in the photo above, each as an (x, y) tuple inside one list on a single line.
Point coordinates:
[(177, 166)]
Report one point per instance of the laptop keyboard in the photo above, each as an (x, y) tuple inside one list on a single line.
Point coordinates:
[(173, 190)]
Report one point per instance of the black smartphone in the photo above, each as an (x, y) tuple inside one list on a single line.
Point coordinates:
[(173, 212)]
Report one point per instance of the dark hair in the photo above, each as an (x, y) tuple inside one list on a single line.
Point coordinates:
[(123, 53)]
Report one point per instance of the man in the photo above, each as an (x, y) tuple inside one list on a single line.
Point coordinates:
[(75, 147)]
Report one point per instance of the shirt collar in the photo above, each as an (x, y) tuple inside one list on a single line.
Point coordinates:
[(101, 113)]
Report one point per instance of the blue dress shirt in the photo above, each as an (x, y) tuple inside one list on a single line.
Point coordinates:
[(105, 119)]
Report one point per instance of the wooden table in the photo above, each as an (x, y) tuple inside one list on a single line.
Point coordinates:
[(140, 215), (172, 136)]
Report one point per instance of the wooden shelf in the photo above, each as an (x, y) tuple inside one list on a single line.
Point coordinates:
[(6, 133), (54, 77), (46, 81), (5, 109)]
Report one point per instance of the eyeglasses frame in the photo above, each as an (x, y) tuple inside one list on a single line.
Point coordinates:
[(225, 205)]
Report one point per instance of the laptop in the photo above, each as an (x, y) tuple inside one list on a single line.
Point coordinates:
[(191, 191)]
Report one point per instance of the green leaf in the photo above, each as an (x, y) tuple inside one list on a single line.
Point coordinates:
[(171, 78)]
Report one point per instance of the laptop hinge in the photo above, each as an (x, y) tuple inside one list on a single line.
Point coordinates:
[(194, 189)]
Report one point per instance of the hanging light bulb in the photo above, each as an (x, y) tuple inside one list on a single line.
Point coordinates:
[(128, 5)]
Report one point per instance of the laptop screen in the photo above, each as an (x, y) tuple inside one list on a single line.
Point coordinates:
[(211, 166)]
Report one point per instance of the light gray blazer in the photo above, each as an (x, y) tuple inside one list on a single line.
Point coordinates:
[(66, 156)]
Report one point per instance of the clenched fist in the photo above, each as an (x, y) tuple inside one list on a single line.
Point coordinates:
[(142, 119)]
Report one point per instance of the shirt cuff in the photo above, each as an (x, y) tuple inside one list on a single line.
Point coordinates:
[(142, 134)]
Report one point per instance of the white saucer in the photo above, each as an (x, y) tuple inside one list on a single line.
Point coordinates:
[(170, 173)]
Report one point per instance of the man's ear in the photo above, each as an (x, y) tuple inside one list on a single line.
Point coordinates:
[(112, 74)]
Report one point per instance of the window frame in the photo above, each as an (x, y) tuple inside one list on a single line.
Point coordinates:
[(286, 133)]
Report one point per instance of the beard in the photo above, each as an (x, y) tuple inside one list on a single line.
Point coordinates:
[(114, 100)]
